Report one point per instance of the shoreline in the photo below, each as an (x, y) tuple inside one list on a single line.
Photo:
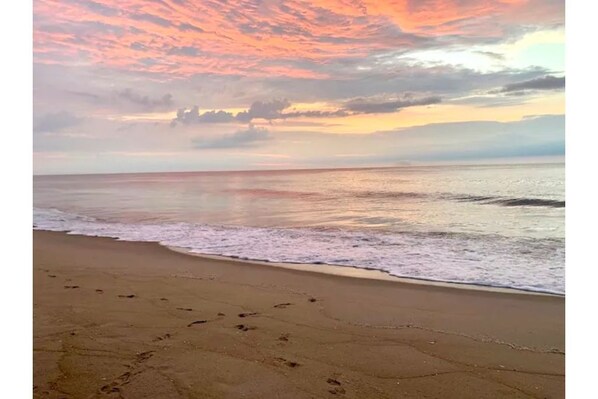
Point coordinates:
[(363, 273), (137, 319), (337, 270)]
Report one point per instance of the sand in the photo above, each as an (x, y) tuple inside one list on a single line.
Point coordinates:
[(119, 319)]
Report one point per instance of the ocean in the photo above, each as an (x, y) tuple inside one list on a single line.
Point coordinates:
[(490, 225)]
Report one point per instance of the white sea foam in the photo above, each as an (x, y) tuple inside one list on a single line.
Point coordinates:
[(492, 260)]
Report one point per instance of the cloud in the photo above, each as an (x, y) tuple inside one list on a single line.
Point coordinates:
[(151, 18), (216, 117), (543, 83), (54, 122), (186, 117), (189, 27), (98, 8), (242, 138), (187, 51), (273, 110), (265, 110), (145, 102), (316, 114), (365, 106), (533, 136), (244, 39), (192, 116), (258, 110), (540, 135), (492, 55)]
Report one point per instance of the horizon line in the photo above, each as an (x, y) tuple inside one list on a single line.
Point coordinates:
[(315, 169)]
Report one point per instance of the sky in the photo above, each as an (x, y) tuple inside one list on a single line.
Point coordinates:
[(181, 85)]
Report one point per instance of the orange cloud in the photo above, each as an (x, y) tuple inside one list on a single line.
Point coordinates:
[(293, 38)]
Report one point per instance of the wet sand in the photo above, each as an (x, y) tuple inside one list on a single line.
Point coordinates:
[(136, 320)]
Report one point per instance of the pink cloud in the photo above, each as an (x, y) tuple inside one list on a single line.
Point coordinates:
[(291, 38)]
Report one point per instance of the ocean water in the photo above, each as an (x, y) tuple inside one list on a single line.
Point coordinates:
[(494, 225)]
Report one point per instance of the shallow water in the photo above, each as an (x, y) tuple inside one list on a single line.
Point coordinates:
[(499, 225)]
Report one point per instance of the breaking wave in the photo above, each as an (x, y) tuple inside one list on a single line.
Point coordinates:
[(491, 260)]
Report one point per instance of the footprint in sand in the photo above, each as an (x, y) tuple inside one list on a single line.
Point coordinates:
[(110, 389), (143, 356), (100, 291), (243, 327), (185, 309), (288, 363), (127, 296), (221, 314), (247, 314), (337, 390), (113, 387), (163, 337), (164, 299), (51, 275), (71, 286), (283, 337), (196, 322), (125, 378)]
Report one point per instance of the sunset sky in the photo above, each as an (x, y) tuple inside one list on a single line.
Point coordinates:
[(172, 85)]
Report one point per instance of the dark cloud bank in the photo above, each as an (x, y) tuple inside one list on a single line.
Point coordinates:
[(145, 102), (543, 83), (275, 109)]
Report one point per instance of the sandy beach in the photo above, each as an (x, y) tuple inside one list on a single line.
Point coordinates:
[(136, 320)]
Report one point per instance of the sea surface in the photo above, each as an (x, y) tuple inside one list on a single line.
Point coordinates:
[(493, 225)]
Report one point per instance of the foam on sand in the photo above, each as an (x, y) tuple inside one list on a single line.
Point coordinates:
[(489, 260)]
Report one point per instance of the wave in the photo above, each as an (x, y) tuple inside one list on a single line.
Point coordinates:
[(471, 198), (388, 194), (505, 201), (490, 260), (529, 202), (481, 199)]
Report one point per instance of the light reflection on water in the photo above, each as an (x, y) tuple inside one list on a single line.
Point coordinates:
[(493, 225), (393, 199)]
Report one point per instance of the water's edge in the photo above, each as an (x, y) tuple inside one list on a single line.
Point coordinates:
[(418, 258), (335, 270), (362, 273)]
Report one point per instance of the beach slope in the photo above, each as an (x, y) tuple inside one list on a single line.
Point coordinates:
[(136, 320)]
